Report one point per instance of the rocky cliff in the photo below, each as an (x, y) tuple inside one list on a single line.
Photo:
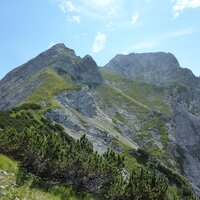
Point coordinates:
[(186, 132), (158, 68), (21, 81)]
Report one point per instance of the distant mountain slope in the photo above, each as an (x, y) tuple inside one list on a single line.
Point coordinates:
[(157, 68)]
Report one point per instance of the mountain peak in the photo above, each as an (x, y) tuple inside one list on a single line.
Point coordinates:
[(159, 68), (161, 59), (59, 57), (59, 50), (60, 47), (89, 59)]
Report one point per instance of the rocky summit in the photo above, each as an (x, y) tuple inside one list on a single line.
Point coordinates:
[(58, 57), (144, 106), (157, 68)]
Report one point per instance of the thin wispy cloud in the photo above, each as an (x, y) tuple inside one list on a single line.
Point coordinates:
[(155, 42), (100, 3), (75, 18), (181, 5), (134, 18), (99, 42), (110, 12), (68, 6), (102, 9)]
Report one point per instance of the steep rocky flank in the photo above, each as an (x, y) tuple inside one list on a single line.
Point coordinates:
[(158, 68), (186, 132), (80, 100), (17, 85)]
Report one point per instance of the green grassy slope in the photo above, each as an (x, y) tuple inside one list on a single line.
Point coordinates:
[(15, 184), (147, 94), (139, 106), (52, 84)]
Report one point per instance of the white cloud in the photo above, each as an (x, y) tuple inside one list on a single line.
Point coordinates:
[(100, 3), (74, 18), (110, 12), (102, 9), (181, 5), (99, 42), (67, 6), (134, 18)]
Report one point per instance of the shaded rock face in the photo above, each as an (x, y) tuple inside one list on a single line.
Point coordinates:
[(186, 133), (187, 127), (86, 71), (66, 118), (15, 90), (83, 70), (80, 100), (158, 68), (17, 85), (57, 53)]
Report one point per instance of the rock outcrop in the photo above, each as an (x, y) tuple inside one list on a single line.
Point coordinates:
[(157, 68), (18, 84), (81, 100), (186, 133)]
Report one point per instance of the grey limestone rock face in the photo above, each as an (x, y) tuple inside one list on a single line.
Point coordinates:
[(187, 127), (69, 120), (86, 71), (18, 84), (158, 68), (15, 90), (80, 100), (186, 133), (83, 70), (66, 118), (190, 100)]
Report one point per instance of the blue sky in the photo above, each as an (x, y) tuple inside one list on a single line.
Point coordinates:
[(101, 28)]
